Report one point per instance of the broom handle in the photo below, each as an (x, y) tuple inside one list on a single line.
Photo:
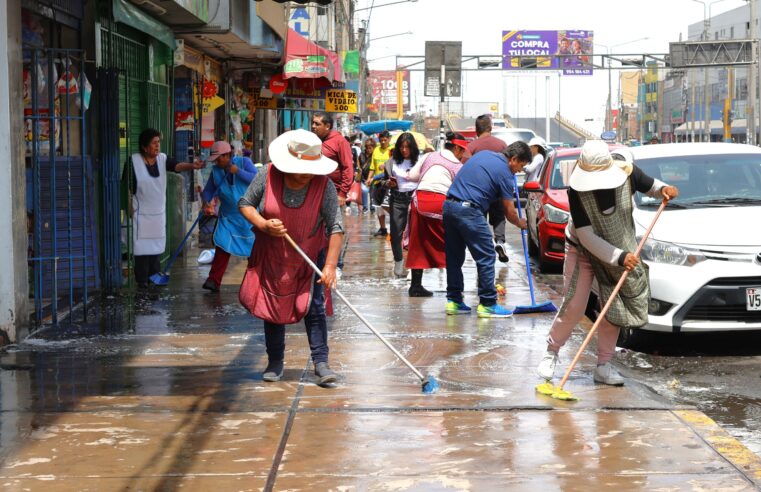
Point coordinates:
[(354, 310), (523, 238), (605, 309)]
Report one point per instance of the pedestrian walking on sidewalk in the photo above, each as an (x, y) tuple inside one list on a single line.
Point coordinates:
[(379, 193), (233, 235), (600, 241), (486, 141), (403, 158), (485, 179), (365, 163), (293, 195), (145, 179), (337, 148), (434, 176)]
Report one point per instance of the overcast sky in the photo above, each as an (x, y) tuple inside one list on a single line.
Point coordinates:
[(479, 25)]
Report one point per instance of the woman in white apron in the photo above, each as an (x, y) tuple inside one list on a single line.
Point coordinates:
[(233, 235), (146, 175)]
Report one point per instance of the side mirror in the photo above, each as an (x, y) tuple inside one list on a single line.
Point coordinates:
[(532, 186)]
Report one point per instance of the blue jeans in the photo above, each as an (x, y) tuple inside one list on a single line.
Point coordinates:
[(315, 321), (365, 197), (466, 227)]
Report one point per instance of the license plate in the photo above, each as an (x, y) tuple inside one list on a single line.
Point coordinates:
[(753, 299)]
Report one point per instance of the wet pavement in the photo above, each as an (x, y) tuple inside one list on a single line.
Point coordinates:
[(163, 391)]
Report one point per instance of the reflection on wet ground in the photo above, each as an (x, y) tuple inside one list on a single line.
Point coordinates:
[(163, 391)]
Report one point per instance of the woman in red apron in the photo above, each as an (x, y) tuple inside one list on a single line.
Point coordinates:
[(292, 195), (425, 228)]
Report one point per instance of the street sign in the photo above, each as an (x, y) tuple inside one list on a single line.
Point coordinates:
[(340, 101), (609, 135), (448, 54), (711, 53)]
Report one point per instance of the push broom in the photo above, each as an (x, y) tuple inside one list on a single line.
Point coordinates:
[(534, 307), (558, 392), (162, 278), (430, 385)]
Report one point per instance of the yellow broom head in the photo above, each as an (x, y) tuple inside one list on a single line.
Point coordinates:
[(546, 388)]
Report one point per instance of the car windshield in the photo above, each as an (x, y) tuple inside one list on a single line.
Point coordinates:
[(561, 171), (706, 180)]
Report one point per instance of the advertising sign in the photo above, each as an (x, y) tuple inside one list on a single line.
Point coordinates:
[(340, 101), (383, 83), (257, 101), (569, 51)]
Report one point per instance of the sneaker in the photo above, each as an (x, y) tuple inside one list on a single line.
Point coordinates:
[(324, 373), (210, 285), (457, 308), (546, 368), (273, 372), (380, 233), (607, 374), (501, 252), (495, 311), (419, 291), (399, 269)]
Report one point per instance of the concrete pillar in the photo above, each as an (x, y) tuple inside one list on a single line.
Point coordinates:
[(14, 286)]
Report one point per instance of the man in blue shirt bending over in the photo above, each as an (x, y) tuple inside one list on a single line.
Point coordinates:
[(485, 179)]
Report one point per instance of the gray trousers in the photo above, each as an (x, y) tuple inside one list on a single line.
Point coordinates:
[(497, 221)]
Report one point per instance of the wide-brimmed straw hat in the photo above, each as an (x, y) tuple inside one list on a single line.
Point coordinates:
[(597, 170), (300, 152)]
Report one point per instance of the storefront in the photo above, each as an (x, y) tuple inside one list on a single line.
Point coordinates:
[(62, 246)]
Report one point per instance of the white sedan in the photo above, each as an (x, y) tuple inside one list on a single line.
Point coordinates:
[(704, 253)]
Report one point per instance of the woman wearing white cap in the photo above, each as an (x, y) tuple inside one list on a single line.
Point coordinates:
[(293, 195), (228, 182), (538, 155), (600, 240)]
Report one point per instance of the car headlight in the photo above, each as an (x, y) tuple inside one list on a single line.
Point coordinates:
[(670, 253), (555, 215)]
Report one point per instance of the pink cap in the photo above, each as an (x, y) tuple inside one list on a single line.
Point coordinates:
[(219, 148)]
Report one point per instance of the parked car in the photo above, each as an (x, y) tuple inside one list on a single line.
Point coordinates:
[(547, 209), (704, 253)]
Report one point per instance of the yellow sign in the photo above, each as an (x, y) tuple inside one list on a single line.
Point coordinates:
[(122, 134), (340, 101), (212, 103), (257, 101)]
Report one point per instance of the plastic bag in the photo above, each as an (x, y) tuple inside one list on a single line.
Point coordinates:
[(86, 93)]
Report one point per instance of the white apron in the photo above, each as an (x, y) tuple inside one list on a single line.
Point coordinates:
[(149, 205)]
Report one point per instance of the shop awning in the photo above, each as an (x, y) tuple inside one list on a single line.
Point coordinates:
[(127, 13), (307, 60)]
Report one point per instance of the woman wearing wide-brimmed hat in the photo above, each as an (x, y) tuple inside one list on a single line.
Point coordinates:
[(293, 195), (600, 240)]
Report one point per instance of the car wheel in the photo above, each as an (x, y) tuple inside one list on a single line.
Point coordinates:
[(533, 250), (544, 265), (635, 339)]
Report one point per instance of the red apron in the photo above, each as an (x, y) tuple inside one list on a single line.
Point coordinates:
[(278, 283)]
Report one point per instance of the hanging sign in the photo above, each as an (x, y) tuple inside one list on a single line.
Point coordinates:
[(257, 101), (278, 83), (340, 101)]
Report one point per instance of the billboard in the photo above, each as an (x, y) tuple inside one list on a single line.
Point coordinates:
[(569, 51), (383, 84)]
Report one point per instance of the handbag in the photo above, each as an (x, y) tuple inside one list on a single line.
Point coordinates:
[(355, 193)]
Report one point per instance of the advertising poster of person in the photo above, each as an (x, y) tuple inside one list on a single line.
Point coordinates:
[(577, 48)]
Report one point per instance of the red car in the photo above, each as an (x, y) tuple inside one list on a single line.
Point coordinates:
[(547, 208)]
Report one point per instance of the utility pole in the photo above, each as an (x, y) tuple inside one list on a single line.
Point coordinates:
[(752, 79)]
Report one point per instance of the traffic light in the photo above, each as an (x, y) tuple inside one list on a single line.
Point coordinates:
[(304, 2)]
